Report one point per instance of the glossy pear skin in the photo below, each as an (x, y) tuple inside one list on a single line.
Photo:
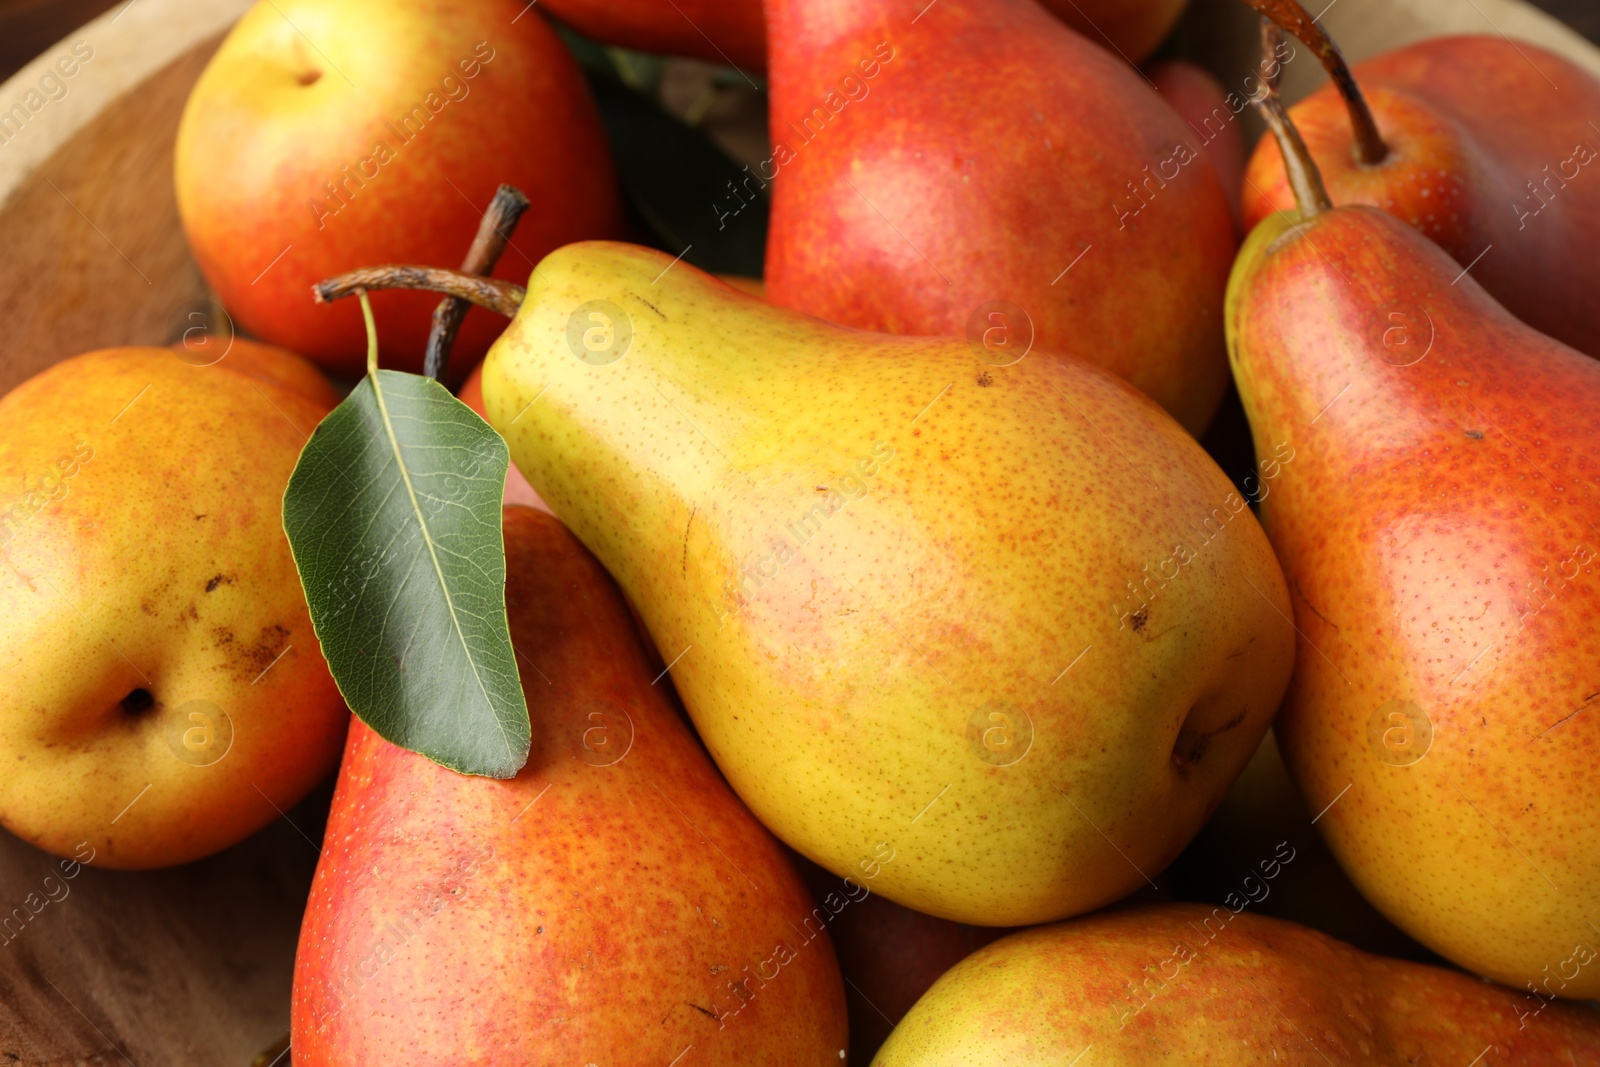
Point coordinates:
[(603, 906), (879, 565), (145, 579), (323, 137), (1440, 542), (1204, 987), (1492, 148), (915, 186)]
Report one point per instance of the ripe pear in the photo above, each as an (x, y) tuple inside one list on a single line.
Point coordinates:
[(888, 957), (1202, 103), (1183, 983), (1000, 634), (162, 694), (1264, 813), (734, 32), (517, 490), (614, 903), (916, 191), (315, 125), (1131, 29), (1489, 147), (724, 32), (1438, 531)]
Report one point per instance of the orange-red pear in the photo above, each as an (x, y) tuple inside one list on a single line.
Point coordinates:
[(614, 903)]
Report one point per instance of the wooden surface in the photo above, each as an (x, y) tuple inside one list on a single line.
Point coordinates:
[(29, 27), (192, 966), (94, 255), (187, 966)]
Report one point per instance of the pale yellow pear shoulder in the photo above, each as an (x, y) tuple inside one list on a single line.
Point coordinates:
[(996, 636)]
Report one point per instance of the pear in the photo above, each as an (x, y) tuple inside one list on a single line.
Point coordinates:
[(1264, 812), (888, 957), (1484, 144), (1438, 531), (1131, 29), (915, 190), (1202, 103), (162, 694), (998, 636), (314, 123), (724, 32), (613, 903), (1184, 983), (517, 490)]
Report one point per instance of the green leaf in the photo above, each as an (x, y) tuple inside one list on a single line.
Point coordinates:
[(682, 185), (393, 515)]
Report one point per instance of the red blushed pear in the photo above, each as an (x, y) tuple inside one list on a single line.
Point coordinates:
[(1438, 529), (1487, 146), (733, 31), (614, 903), (323, 137), (1205, 106), (720, 31), (1209, 987), (917, 190), (888, 955), (1130, 28)]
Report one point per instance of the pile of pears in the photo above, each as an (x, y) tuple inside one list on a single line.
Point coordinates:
[(886, 631)]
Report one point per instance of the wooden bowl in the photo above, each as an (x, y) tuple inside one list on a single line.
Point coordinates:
[(192, 966)]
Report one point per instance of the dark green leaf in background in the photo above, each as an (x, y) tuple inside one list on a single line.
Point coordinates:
[(678, 181), (393, 515)]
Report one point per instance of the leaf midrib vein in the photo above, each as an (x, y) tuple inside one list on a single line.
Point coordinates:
[(427, 539)]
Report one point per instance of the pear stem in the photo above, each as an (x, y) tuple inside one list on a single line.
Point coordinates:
[(372, 333), (1271, 69), (1293, 17), (1310, 195), (494, 233), (501, 297)]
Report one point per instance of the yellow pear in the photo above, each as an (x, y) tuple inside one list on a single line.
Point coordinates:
[(161, 692), (986, 626)]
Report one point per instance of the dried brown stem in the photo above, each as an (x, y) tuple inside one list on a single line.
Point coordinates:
[(494, 233), (1271, 67), (1295, 19), (498, 296), (1310, 195)]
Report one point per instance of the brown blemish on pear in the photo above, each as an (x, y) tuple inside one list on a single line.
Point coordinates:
[(128, 567)]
